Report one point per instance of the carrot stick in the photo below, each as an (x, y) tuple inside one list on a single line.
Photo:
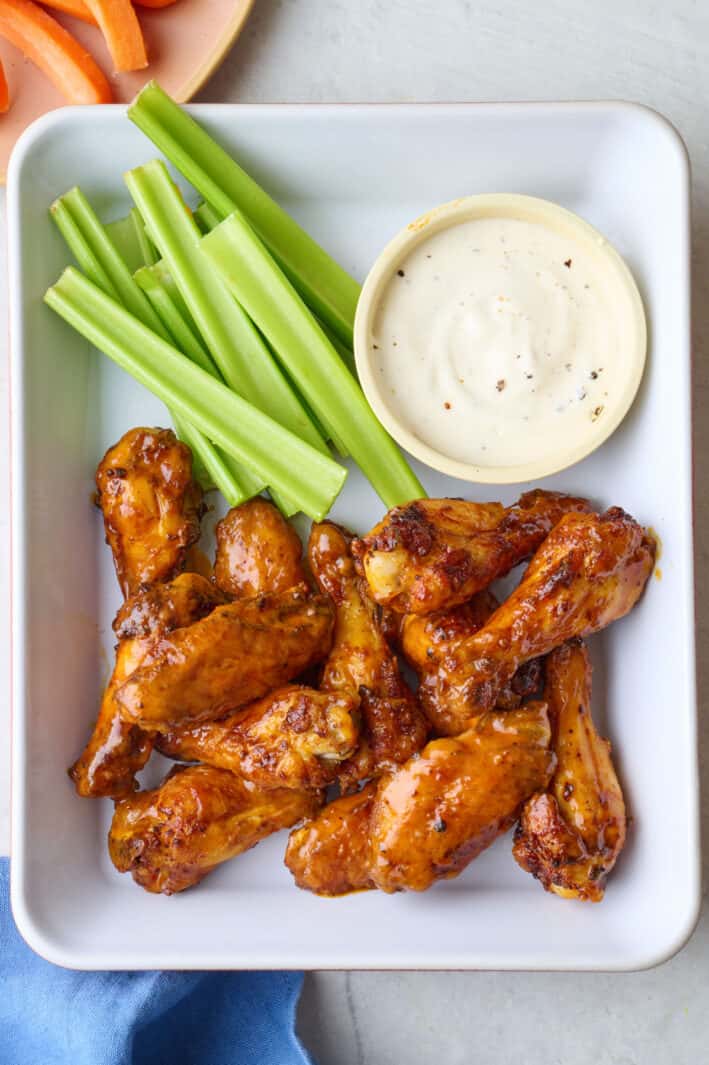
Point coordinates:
[(77, 8), (124, 37), (4, 94), (154, 3), (57, 54)]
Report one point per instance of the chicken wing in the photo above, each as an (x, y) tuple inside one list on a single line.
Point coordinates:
[(258, 552), (429, 641), (362, 663), (436, 553), (330, 854), (151, 506), (171, 837), (293, 738), (570, 836), (118, 749), (240, 652), (590, 571), (444, 807)]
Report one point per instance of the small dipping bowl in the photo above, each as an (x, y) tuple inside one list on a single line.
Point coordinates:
[(619, 314)]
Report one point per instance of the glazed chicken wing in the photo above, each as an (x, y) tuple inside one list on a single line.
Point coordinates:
[(171, 837), (430, 641), (240, 652), (118, 749), (293, 738), (151, 506), (362, 663), (330, 854), (570, 836), (436, 553), (590, 571), (258, 552), (444, 807)]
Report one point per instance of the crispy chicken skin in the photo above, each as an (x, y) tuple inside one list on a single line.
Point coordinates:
[(118, 749), (293, 738), (171, 837), (237, 654), (257, 551), (330, 854), (437, 813), (362, 663), (590, 571), (428, 640), (151, 506), (570, 836), (436, 553)]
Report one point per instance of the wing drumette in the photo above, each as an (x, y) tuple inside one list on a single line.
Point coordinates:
[(151, 506), (362, 663), (570, 835)]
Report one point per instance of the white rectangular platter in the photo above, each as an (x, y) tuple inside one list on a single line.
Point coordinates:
[(353, 175)]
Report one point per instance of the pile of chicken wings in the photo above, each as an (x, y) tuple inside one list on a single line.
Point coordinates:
[(276, 684)]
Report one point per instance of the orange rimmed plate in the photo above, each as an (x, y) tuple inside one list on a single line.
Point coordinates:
[(186, 43)]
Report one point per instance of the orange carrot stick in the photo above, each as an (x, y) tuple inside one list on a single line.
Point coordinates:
[(124, 37), (77, 8), (4, 94), (57, 54), (154, 3)]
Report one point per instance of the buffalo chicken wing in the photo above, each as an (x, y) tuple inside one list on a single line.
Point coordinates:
[(570, 836), (171, 837), (293, 738), (362, 663), (436, 553), (151, 506)]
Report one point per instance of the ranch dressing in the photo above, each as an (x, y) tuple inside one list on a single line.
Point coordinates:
[(498, 341)]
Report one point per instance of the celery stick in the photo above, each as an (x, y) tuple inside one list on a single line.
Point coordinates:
[(115, 271), (79, 247), (178, 328), (237, 348), (206, 217), (289, 464), (222, 471), (89, 239), (124, 238), (148, 251), (322, 283), (328, 386)]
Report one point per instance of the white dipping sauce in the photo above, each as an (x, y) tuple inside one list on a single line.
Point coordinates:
[(498, 341)]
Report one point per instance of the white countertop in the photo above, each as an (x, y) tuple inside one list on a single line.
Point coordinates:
[(368, 50)]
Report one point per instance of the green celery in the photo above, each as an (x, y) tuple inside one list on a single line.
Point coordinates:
[(323, 284), (148, 251), (237, 348), (91, 242), (221, 470), (177, 326), (284, 461), (124, 238), (206, 217), (207, 220), (326, 383)]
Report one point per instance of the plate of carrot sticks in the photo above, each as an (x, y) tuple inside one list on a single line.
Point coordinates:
[(58, 52)]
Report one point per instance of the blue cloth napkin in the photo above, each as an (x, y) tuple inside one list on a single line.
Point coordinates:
[(52, 1016)]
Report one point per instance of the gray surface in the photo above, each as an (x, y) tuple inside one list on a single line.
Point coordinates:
[(658, 54)]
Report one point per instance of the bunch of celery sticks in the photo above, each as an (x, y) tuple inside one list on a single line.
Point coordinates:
[(234, 317)]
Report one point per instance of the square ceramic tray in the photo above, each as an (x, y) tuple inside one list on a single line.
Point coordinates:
[(353, 175)]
